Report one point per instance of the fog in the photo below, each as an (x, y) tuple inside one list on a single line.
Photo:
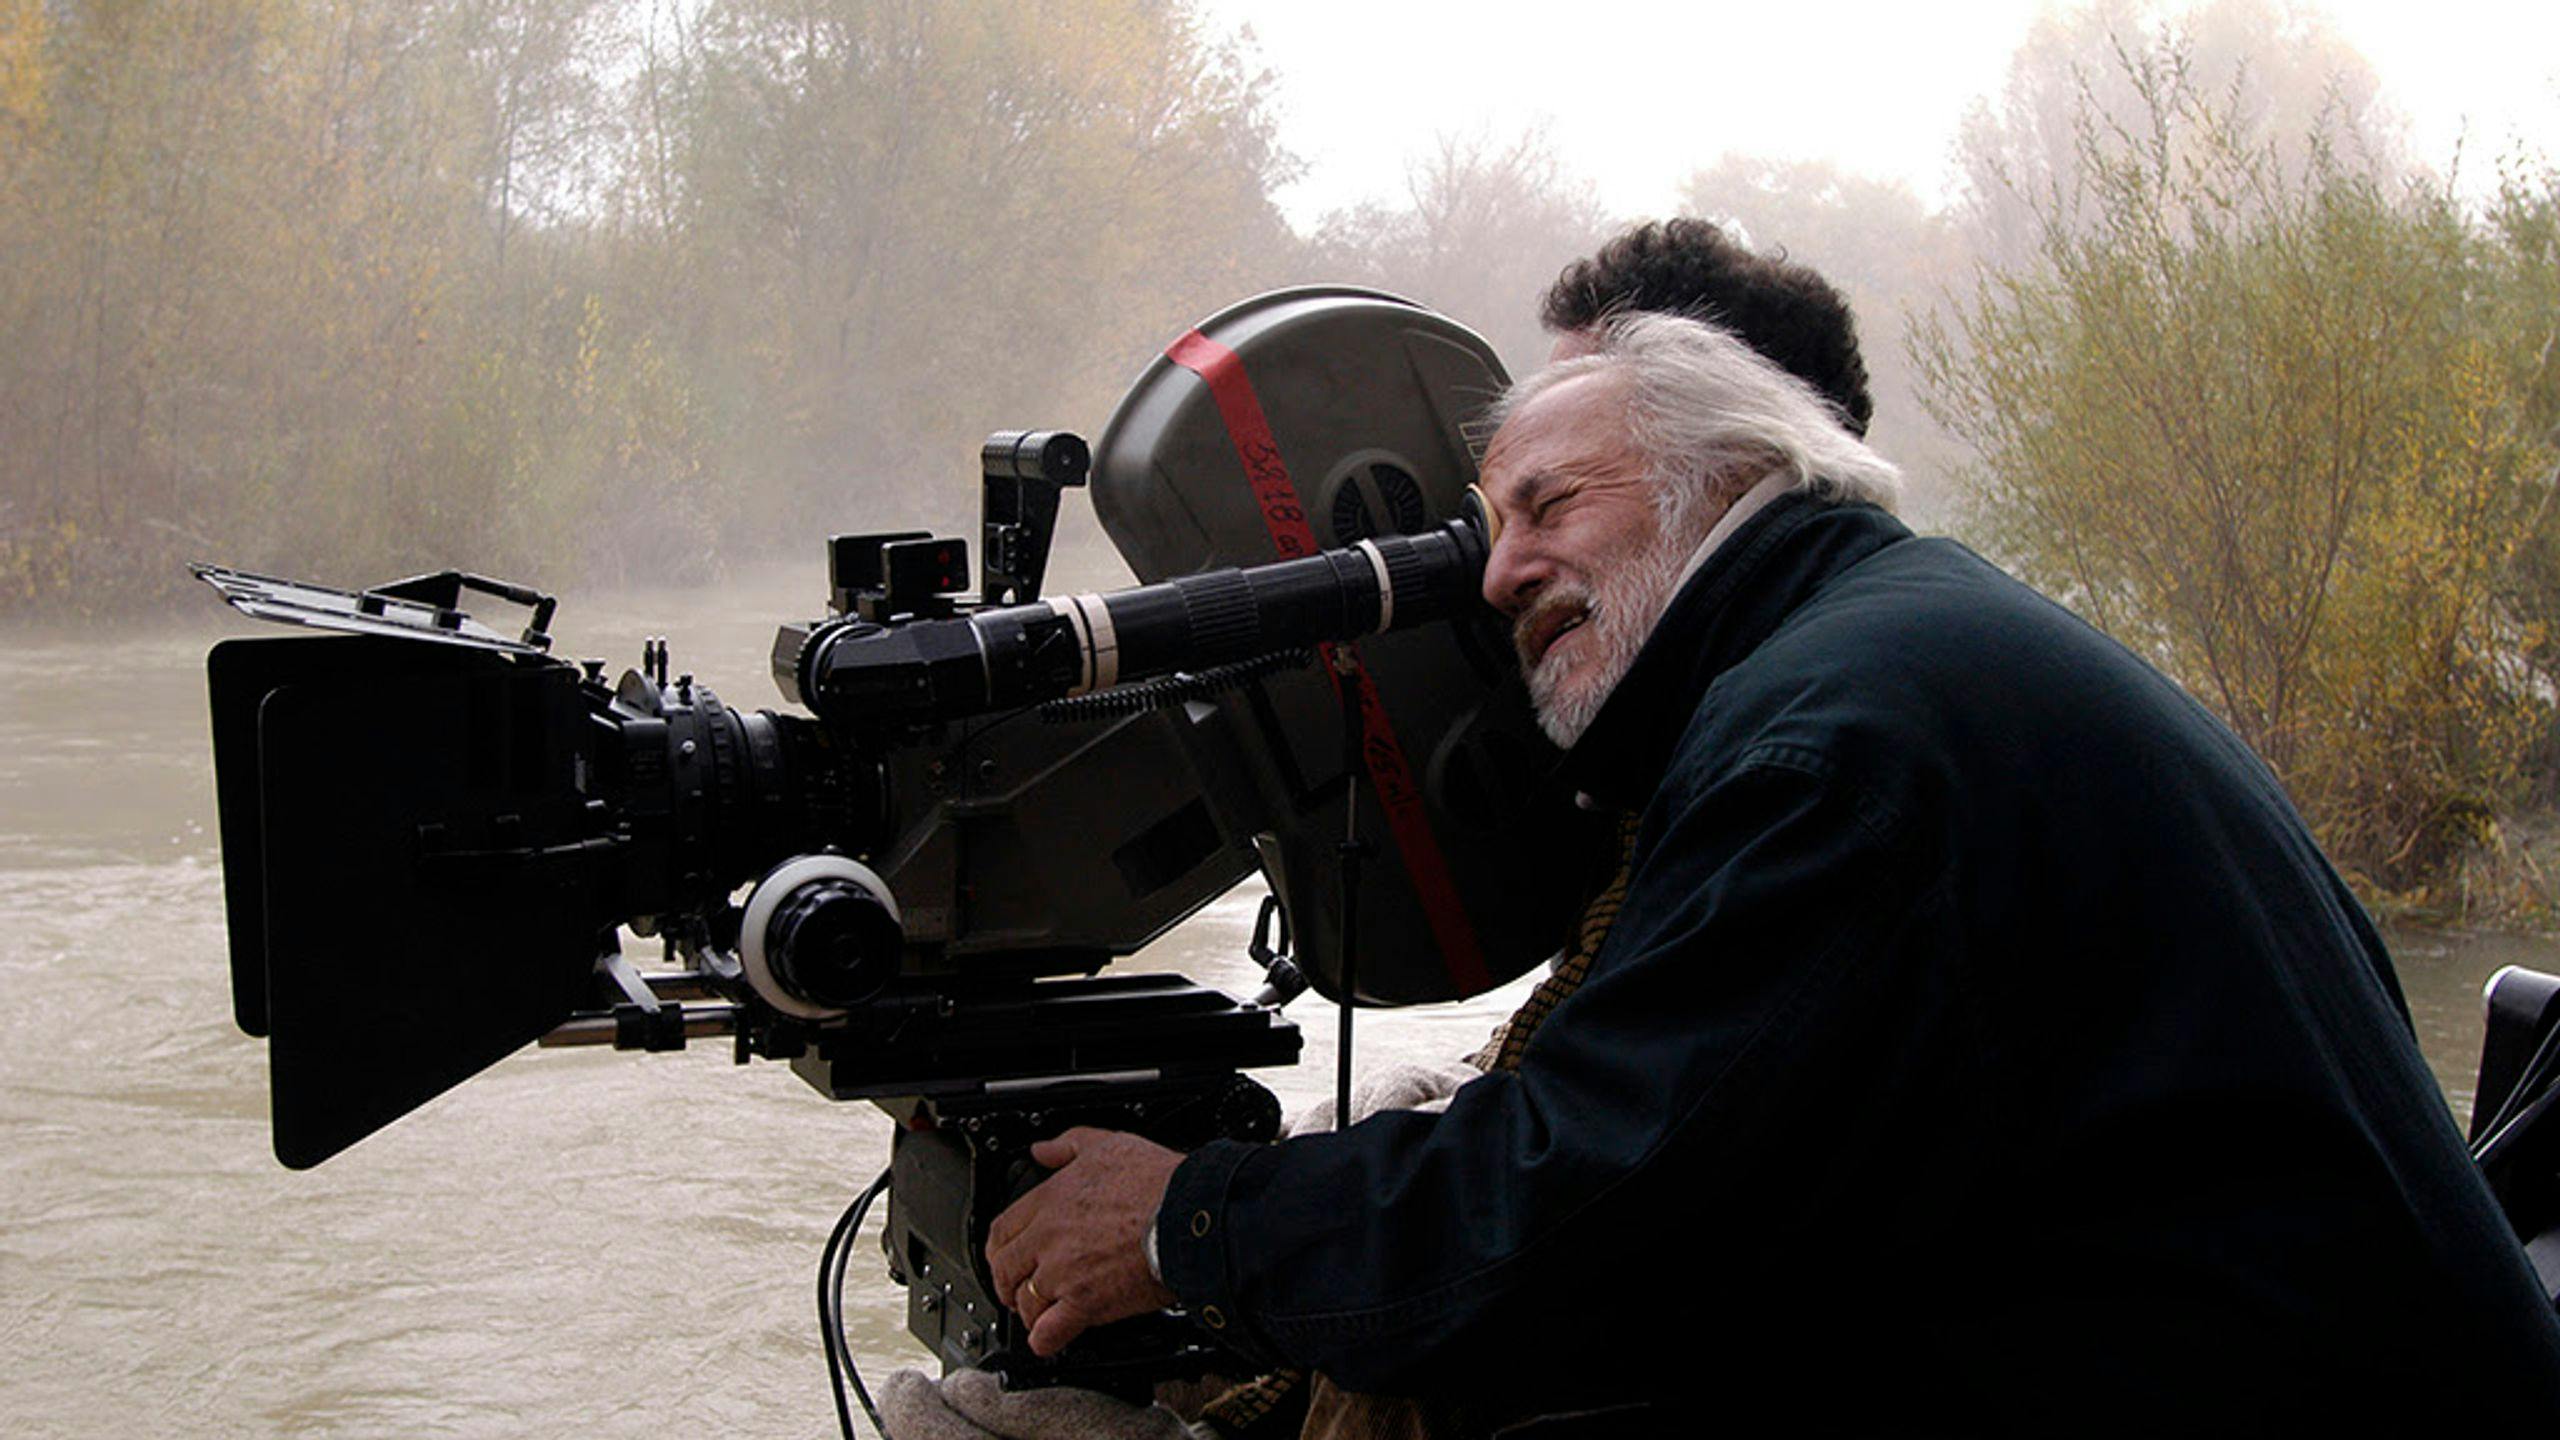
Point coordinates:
[(637, 300), (613, 289)]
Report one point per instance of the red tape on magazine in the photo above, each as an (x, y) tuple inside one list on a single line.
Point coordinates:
[(1391, 775)]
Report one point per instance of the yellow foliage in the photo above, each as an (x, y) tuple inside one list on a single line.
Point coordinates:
[(2262, 424), (22, 71)]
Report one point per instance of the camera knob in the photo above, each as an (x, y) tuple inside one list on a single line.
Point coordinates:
[(821, 934), (833, 943)]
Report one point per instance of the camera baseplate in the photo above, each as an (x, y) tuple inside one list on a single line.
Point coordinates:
[(1025, 1038), (977, 1081)]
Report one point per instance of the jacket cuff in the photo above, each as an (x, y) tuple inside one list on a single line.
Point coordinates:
[(1193, 1246)]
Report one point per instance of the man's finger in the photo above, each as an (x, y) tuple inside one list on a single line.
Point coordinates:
[(1056, 1151), (1008, 1266), (1056, 1326), (1012, 1221), (1027, 1301)]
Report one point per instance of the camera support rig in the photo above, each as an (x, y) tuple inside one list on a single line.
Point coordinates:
[(932, 907), (433, 830)]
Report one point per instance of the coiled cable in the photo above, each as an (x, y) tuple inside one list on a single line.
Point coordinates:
[(1164, 691)]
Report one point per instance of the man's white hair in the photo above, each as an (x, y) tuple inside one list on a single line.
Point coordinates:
[(1712, 417)]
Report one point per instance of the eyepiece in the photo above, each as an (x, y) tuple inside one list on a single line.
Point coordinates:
[(1477, 513)]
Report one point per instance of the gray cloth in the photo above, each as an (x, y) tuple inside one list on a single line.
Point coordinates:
[(1394, 1087), (972, 1405)]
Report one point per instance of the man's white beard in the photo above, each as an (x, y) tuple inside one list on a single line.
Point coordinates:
[(1622, 611)]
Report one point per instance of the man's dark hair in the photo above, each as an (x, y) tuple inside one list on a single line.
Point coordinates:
[(1787, 312)]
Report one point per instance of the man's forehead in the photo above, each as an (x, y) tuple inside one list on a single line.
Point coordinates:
[(1576, 418)]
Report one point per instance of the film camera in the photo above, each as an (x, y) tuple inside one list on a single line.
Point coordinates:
[(910, 892)]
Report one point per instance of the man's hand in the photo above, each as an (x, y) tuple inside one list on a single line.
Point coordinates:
[(1067, 1256)]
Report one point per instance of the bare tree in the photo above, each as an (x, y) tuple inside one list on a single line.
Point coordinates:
[(1484, 228)]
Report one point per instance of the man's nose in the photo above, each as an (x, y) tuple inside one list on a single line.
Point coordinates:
[(1513, 571)]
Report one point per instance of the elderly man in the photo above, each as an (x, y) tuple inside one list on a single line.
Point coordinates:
[(1984, 1045)]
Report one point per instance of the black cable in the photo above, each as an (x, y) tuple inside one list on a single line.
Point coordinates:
[(831, 1267), (844, 1257)]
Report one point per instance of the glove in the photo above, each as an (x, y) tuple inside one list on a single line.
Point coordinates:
[(1392, 1087), (973, 1405)]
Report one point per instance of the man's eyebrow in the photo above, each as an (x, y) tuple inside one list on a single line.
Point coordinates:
[(1534, 486)]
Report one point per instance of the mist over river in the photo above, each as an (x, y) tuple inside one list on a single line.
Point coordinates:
[(577, 1242)]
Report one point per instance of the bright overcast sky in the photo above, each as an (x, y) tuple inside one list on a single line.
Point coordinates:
[(1637, 95)]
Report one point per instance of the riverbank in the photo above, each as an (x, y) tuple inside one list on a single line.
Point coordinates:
[(2508, 882)]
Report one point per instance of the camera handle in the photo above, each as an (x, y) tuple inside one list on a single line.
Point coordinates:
[(1283, 980)]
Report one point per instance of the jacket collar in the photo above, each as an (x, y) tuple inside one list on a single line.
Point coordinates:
[(1735, 601)]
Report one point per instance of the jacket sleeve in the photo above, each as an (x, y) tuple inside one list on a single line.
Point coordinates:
[(1672, 1123)]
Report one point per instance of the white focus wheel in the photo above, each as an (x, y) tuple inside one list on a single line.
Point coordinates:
[(767, 898)]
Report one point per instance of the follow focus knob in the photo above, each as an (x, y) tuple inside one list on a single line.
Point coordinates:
[(833, 943), (821, 934)]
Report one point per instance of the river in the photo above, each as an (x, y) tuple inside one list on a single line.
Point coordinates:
[(577, 1242)]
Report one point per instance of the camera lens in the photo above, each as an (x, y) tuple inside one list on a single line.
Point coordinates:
[(831, 942)]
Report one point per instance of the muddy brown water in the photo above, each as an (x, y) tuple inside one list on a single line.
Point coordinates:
[(577, 1242)]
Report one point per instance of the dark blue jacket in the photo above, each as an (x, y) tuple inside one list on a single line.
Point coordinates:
[(1984, 1047)]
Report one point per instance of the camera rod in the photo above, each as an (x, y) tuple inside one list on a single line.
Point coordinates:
[(651, 1015), (697, 1022)]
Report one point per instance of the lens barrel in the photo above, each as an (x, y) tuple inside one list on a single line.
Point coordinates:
[(1023, 654)]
